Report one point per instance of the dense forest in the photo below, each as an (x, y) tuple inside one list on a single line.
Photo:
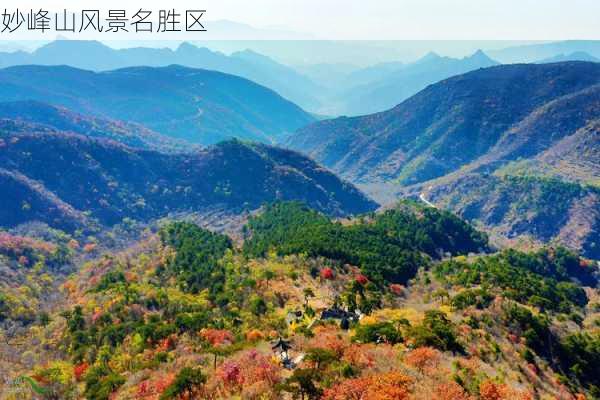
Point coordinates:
[(388, 247)]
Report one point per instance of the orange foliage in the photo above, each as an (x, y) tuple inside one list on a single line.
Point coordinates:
[(17, 245), (70, 287), (247, 370), (328, 337), (450, 391), (489, 390), (217, 337), (89, 247), (424, 359), (357, 355), (388, 386), (152, 389), (167, 343), (379, 358), (254, 335)]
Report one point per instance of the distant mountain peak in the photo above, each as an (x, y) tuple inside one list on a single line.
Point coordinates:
[(431, 56), (479, 53), (66, 44), (186, 46), (250, 55), (481, 57), (575, 56)]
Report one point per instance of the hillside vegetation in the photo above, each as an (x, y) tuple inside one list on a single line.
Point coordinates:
[(187, 313), (513, 148), (74, 182)]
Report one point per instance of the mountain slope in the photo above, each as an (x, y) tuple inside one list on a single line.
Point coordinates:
[(44, 117), (574, 158), (395, 83), (95, 56), (368, 310), (544, 210), (62, 177), (514, 148), (196, 105), (456, 121)]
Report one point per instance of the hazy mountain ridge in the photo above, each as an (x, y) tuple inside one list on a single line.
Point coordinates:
[(395, 84), (95, 56), (541, 51), (575, 56), (196, 105)]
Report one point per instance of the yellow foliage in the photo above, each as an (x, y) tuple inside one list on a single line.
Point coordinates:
[(393, 314), (176, 295), (369, 320), (445, 309), (57, 371)]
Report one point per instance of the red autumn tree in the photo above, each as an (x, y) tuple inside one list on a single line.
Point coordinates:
[(360, 278), (80, 369), (327, 273)]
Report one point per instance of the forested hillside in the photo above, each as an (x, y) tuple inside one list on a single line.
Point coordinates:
[(197, 105), (308, 307), (513, 148), (73, 182)]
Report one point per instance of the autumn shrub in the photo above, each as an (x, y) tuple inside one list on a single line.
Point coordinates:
[(217, 337), (328, 337), (424, 359), (254, 335), (378, 358), (450, 391), (363, 280), (490, 390), (247, 369), (388, 386), (327, 273)]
